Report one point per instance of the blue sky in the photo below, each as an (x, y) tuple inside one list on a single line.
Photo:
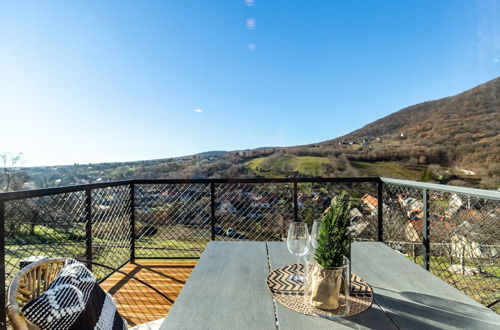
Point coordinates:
[(101, 81)]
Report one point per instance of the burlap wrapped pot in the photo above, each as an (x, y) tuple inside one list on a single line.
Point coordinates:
[(326, 285)]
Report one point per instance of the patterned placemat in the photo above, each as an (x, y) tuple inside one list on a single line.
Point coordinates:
[(291, 294)]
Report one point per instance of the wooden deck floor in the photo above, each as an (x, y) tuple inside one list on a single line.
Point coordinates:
[(138, 303)]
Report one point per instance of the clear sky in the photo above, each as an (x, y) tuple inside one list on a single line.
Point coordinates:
[(102, 81)]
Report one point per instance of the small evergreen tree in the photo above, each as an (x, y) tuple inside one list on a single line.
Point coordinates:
[(427, 176), (333, 239)]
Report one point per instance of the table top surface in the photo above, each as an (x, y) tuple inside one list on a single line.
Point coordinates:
[(228, 290)]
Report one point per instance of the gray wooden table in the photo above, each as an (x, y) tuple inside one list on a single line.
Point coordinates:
[(227, 290)]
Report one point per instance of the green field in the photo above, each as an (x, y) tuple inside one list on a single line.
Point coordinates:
[(388, 170), (313, 166), (305, 165)]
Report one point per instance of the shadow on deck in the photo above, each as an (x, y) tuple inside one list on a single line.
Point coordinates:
[(139, 304)]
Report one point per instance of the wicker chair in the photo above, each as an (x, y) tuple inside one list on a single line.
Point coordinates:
[(27, 284), (34, 279)]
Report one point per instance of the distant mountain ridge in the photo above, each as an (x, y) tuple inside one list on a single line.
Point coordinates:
[(465, 128), (480, 104), (215, 153)]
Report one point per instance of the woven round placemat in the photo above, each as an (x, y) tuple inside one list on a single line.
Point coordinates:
[(291, 295)]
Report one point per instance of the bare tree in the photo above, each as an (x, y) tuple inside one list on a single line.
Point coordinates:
[(11, 178)]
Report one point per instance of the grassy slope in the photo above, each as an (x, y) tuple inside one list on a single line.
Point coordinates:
[(388, 170), (309, 165), (306, 165), (313, 166)]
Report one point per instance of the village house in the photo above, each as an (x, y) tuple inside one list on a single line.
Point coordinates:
[(418, 214), (440, 230), (228, 207), (301, 199), (410, 202), (169, 195), (318, 199), (261, 203), (360, 226), (355, 214), (371, 202), (454, 204)]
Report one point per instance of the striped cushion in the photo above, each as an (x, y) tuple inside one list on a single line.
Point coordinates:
[(74, 301)]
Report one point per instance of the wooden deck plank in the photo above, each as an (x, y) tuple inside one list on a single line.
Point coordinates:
[(139, 304)]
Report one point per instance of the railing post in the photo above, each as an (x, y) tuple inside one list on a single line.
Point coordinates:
[(3, 317), (425, 228), (380, 212), (132, 222), (295, 205), (88, 226), (212, 209)]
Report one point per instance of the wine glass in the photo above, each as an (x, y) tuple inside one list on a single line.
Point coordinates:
[(315, 233), (298, 244)]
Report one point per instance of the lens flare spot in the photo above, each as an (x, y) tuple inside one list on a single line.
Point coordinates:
[(250, 23)]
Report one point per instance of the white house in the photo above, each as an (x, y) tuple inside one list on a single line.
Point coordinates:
[(226, 206)]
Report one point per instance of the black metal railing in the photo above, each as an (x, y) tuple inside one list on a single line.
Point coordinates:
[(117, 222), (453, 232)]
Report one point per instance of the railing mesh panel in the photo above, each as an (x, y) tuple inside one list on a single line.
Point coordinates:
[(259, 212), (111, 227), (172, 220), (464, 236), (314, 198), (402, 230), (465, 241), (50, 226), (55, 226)]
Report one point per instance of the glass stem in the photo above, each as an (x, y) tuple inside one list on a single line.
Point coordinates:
[(298, 266)]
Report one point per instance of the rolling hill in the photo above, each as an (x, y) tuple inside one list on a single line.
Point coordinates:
[(456, 139), (461, 130), (469, 110)]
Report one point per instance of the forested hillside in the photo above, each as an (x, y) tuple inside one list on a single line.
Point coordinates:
[(461, 131)]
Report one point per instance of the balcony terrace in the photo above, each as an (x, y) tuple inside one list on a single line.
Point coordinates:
[(155, 230)]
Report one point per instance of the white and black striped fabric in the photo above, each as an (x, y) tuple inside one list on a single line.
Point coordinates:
[(74, 301)]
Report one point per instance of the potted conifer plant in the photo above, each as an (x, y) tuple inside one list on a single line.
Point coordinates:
[(328, 273)]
